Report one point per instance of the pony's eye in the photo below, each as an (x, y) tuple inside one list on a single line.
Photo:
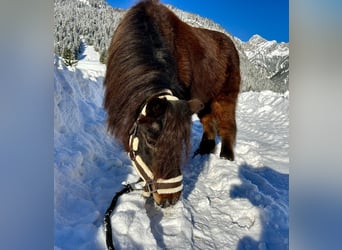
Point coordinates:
[(150, 141)]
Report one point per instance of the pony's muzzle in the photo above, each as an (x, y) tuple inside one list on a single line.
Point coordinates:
[(166, 200)]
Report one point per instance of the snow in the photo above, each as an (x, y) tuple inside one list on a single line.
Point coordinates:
[(224, 205), (85, 2)]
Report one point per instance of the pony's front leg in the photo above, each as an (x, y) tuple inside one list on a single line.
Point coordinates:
[(224, 112), (207, 144)]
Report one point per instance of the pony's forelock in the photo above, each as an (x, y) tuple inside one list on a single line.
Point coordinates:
[(173, 145)]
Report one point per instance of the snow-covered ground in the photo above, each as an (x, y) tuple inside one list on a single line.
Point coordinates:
[(225, 205)]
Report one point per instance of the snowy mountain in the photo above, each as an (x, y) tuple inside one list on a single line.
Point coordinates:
[(92, 20), (264, 64), (225, 205), (99, 4), (270, 57)]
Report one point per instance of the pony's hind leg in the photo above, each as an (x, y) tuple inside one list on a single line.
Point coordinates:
[(207, 144), (224, 112)]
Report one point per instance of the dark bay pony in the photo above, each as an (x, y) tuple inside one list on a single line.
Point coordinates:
[(159, 72)]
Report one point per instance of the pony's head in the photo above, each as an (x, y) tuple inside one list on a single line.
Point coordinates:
[(159, 142)]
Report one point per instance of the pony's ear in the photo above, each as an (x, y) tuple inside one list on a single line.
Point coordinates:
[(156, 107), (195, 105)]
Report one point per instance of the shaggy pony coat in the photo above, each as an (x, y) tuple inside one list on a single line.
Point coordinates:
[(152, 50)]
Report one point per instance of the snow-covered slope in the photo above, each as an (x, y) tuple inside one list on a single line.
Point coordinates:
[(225, 205), (270, 57)]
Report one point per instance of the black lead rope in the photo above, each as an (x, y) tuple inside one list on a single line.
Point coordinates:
[(107, 225)]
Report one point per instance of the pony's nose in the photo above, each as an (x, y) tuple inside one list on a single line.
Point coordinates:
[(166, 200), (165, 204)]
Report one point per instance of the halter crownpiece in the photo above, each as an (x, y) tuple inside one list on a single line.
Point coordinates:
[(150, 185)]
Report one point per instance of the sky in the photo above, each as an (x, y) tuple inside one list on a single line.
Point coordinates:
[(243, 19)]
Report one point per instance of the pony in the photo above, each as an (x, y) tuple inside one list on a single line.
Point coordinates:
[(161, 71)]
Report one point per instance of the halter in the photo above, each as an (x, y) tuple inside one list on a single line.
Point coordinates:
[(150, 185)]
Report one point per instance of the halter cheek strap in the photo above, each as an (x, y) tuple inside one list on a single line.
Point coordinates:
[(150, 185)]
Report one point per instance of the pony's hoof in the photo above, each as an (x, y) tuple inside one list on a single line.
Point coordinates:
[(206, 147), (227, 154), (166, 200), (228, 157)]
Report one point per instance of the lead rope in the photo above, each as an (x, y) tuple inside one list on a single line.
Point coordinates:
[(107, 222)]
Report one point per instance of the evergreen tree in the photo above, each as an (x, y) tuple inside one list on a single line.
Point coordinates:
[(103, 56), (68, 57)]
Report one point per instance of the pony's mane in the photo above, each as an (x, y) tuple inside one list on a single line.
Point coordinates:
[(140, 64)]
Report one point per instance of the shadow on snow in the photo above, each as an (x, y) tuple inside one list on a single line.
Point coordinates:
[(268, 190)]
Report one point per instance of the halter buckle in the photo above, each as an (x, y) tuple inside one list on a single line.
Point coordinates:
[(132, 155), (150, 187)]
